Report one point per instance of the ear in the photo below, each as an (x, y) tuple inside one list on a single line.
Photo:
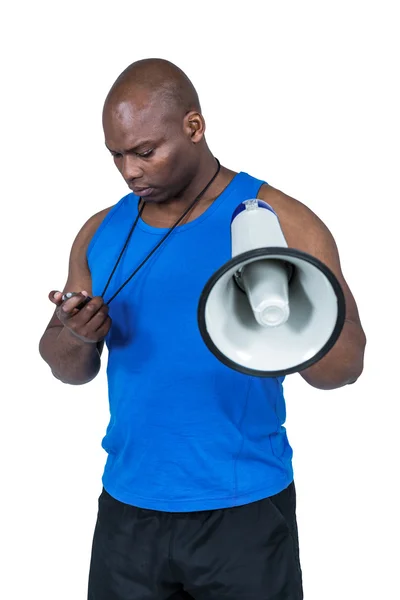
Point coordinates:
[(194, 126)]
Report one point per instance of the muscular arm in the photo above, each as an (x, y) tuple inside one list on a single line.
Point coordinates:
[(303, 230), (70, 359)]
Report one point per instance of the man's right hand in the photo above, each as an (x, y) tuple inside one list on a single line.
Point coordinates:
[(90, 324)]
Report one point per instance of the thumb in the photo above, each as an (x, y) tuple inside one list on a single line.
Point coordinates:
[(55, 297)]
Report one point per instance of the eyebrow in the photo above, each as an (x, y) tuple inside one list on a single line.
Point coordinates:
[(135, 148)]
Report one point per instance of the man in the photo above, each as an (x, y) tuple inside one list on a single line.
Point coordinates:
[(198, 498)]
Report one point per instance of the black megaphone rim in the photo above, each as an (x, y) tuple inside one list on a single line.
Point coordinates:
[(258, 253)]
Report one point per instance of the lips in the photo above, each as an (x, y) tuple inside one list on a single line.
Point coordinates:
[(144, 191)]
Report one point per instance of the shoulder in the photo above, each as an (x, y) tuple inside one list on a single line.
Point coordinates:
[(302, 228), (88, 231), (305, 231)]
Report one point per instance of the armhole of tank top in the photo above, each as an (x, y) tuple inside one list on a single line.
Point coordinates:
[(112, 212), (260, 183), (253, 184)]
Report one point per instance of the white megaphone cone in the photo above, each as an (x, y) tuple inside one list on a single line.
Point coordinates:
[(270, 310)]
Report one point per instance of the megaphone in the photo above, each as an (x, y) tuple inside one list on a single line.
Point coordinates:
[(270, 310)]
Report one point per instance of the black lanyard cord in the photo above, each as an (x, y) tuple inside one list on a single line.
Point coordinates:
[(123, 250), (158, 244)]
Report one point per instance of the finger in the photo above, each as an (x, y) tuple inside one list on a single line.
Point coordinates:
[(90, 329), (71, 304), (55, 297), (83, 303), (82, 317), (103, 330), (96, 319)]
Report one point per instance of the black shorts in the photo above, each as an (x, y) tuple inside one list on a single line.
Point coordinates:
[(248, 552)]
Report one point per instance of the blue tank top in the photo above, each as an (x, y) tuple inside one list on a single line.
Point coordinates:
[(186, 433)]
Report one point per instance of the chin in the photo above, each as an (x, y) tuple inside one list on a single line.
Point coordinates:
[(156, 198)]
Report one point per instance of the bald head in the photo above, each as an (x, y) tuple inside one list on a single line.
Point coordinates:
[(154, 129), (155, 81)]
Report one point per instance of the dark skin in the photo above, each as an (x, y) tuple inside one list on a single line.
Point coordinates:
[(344, 363), (165, 151), (160, 144)]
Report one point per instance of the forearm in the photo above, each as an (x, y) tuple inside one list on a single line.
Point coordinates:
[(344, 362), (71, 361)]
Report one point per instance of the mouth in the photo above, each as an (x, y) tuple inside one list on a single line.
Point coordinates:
[(141, 191)]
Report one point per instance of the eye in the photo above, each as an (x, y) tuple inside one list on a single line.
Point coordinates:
[(116, 154), (146, 154)]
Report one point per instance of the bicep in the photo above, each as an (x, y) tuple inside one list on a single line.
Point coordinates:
[(79, 278), (320, 243), (305, 231)]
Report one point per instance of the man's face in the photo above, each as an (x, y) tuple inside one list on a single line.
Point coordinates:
[(150, 146)]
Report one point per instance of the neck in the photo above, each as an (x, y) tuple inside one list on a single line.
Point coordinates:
[(165, 213)]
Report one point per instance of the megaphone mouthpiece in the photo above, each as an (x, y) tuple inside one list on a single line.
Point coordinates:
[(266, 285)]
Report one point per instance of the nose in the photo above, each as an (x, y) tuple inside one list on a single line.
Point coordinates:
[(131, 169)]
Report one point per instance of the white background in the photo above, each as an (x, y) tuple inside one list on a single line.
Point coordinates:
[(301, 94)]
